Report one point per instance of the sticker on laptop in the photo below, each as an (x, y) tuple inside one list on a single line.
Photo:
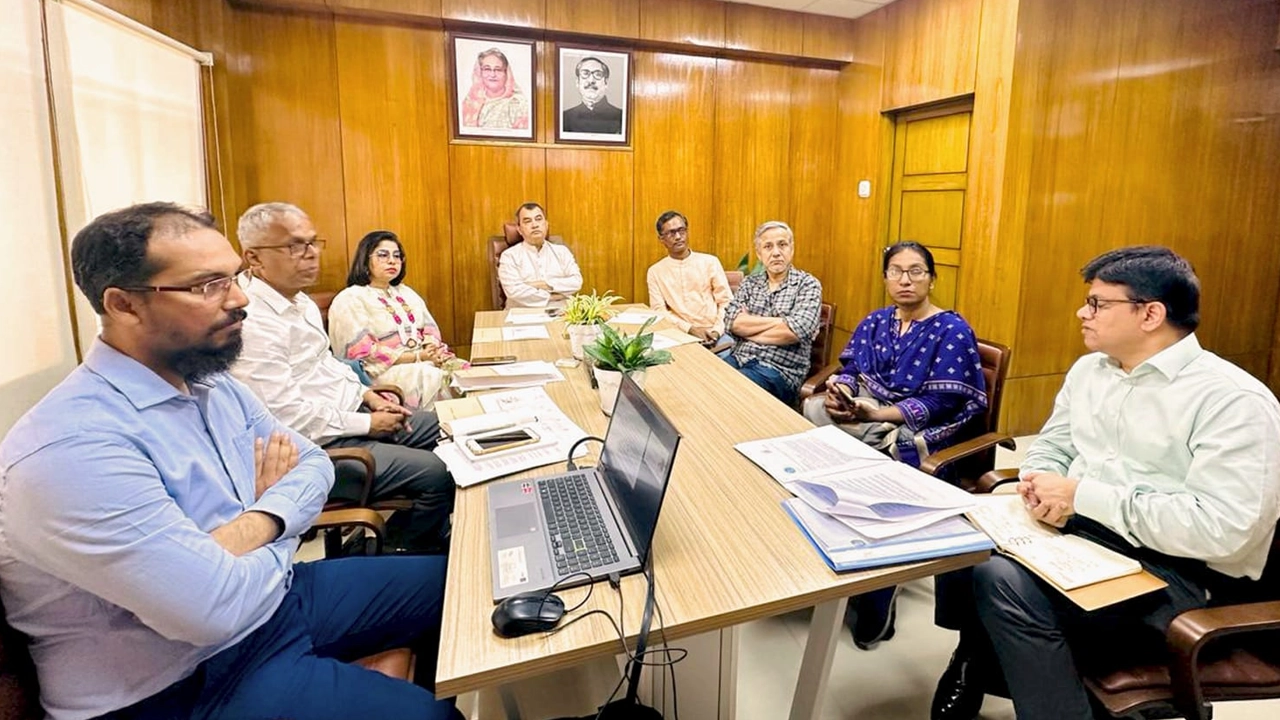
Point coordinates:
[(512, 568)]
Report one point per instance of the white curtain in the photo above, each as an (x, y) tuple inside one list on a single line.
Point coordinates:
[(129, 120), (39, 350)]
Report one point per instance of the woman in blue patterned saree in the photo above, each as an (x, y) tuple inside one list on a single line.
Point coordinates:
[(911, 383)]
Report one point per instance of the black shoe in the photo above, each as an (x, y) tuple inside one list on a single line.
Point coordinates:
[(870, 617), (960, 689)]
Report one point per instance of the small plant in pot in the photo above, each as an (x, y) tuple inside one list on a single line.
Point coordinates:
[(615, 354), (583, 315)]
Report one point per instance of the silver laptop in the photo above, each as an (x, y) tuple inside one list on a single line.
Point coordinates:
[(596, 521)]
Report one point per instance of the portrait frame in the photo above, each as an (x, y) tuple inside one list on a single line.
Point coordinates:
[(576, 121), (498, 112)]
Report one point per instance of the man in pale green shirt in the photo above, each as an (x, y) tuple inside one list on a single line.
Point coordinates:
[(1156, 448)]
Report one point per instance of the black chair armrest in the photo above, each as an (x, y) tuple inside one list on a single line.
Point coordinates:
[(1192, 630), (944, 457)]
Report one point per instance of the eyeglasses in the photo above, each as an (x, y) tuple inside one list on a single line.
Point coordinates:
[(592, 74), (385, 255), (215, 289), (298, 248), (1095, 303), (916, 273), (492, 69), (675, 233)]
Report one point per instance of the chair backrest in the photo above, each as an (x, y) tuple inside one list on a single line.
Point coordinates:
[(822, 341), (323, 300), (735, 279), (19, 691), (995, 367), (497, 245)]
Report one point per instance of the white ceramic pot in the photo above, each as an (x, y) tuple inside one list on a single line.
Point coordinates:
[(580, 335), (609, 381)]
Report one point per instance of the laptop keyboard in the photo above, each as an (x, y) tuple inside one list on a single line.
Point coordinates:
[(579, 539)]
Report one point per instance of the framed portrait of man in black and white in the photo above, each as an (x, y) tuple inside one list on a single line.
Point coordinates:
[(492, 84), (593, 96)]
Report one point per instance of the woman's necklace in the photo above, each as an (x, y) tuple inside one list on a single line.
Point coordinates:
[(407, 333)]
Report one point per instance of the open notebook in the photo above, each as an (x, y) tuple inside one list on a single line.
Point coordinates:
[(1080, 568)]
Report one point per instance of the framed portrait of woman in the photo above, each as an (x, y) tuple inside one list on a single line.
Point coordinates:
[(492, 87), (593, 96)]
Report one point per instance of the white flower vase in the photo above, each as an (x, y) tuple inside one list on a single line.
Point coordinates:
[(580, 335), (609, 381)]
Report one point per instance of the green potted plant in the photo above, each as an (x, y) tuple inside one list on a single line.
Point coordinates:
[(614, 354), (583, 314)]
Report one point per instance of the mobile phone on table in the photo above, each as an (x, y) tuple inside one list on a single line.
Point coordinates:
[(493, 360), (502, 440)]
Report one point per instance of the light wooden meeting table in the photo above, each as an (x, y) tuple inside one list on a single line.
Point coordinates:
[(724, 552)]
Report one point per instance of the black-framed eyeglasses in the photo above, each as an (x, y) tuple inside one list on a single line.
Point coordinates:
[(297, 248), (592, 74), (214, 289), (916, 273), (1095, 303), (675, 233)]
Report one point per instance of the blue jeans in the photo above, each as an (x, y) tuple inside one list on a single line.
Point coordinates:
[(765, 376), (297, 665)]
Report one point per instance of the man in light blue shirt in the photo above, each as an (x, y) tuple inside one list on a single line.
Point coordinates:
[(150, 508), (1156, 448)]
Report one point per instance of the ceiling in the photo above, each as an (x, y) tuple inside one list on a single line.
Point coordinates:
[(838, 8)]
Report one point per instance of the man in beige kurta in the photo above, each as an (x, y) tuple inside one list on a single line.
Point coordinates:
[(689, 288)]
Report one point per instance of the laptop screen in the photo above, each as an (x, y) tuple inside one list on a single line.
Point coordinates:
[(639, 452)]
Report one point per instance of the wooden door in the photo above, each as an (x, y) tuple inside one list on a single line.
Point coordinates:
[(930, 176)]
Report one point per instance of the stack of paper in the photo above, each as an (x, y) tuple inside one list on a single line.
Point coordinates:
[(860, 508), (530, 316), (529, 408), (515, 375)]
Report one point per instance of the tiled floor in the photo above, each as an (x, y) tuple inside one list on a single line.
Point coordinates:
[(896, 680)]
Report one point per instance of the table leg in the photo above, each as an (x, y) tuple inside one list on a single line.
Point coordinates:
[(510, 708), (819, 651)]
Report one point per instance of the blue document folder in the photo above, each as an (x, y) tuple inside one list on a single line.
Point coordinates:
[(843, 548)]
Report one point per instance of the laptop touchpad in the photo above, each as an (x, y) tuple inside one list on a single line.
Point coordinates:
[(516, 520)]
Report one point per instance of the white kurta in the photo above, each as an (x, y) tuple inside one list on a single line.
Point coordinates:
[(553, 264)]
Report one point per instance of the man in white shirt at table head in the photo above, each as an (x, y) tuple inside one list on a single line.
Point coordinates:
[(689, 288), (1156, 448), (287, 363), (537, 273)]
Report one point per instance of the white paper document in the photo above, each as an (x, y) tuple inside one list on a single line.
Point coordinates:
[(528, 316), (633, 316), (530, 408), (515, 375), (1068, 561), (669, 338), (821, 450), (525, 332)]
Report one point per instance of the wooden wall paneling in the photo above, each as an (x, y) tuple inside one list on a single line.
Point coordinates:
[(931, 52), (864, 151), (519, 13), (827, 37), (814, 110), (395, 140), (751, 27), (388, 8), (616, 18), (590, 201), (692, 22), (1028, 402), (286, 126), (486, 185), (751, 153), (277, 5), (140, 10), (991, 274), (1254, 363), (674, 97), (1076, 48)]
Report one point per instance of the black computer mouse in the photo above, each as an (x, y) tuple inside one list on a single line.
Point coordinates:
[(526, 613)]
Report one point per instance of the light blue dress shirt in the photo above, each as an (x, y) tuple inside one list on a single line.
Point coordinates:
[(1181, 455), (109, 488)]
